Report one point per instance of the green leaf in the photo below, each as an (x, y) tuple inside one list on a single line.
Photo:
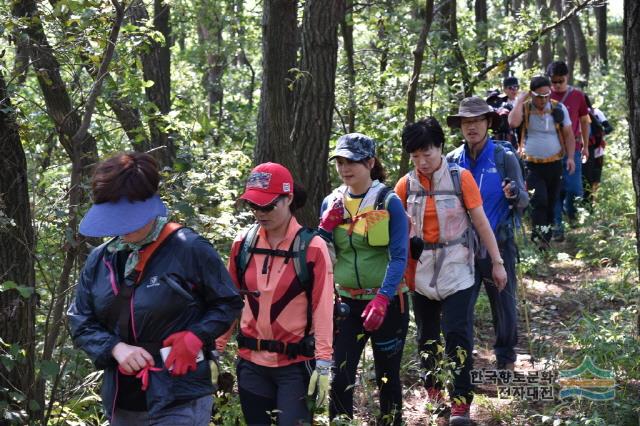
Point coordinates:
[(33, 405), (25, 292), (148, 83), (185, 208), (49, 368)]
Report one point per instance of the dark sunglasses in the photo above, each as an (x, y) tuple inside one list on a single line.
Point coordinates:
[(513, 87), (264, 209)]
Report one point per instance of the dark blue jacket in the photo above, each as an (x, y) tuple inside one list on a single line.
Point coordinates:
[(201, 298)]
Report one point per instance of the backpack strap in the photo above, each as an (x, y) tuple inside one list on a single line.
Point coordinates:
[(249, 240), (381, 198), (300, 245), (525, 125), (499, 153), (297, 252), (454, 171), (566, 94)]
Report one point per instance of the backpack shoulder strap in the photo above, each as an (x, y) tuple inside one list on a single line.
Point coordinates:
[(499, 153), (455, 171), (299, 246), (381, 198), (146, 253), (566, 94), (244, 254)]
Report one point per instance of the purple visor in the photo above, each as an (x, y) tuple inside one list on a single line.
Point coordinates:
[(121, 217)]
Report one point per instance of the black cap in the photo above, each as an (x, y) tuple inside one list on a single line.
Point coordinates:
[(510, 81)]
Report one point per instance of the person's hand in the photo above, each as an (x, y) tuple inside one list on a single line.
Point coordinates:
[(184, 349), (332, 216), (523, 97), (571, 166), (319, 383), (131, 358), (374, 313), (509, 188), (585, 153), (499, 275)]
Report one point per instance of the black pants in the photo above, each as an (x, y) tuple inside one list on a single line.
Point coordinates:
[(591, 173), (503, 303), (545, 180), (454, 315), (269, 394), (388, 343)]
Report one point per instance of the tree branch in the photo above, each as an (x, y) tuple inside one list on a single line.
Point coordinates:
[(534, 39), (102, 72)]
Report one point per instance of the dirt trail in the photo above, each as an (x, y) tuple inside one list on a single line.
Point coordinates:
[(555, 301)]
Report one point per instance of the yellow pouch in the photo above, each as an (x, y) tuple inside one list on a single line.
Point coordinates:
[(377, 227)]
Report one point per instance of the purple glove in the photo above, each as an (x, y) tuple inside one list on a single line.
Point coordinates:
[(375, 312), (332, 216)]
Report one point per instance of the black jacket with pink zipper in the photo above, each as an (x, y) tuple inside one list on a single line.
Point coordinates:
[(185, 286)]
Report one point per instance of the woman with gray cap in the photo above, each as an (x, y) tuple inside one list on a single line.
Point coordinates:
[(545, 137), (367, 224), (149, 302)]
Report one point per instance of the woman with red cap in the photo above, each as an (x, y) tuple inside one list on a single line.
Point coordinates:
[(286, 329), (150, 302)]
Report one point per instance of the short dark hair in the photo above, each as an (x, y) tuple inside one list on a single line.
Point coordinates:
[(557, 68), (133, 175), (538, 82), (422, 135)]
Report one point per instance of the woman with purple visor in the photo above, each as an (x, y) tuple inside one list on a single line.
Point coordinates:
[(149, 302)]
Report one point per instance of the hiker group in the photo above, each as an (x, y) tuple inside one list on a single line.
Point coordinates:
[(155, 305)]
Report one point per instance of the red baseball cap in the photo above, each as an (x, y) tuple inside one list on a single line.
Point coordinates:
[(266, 182)]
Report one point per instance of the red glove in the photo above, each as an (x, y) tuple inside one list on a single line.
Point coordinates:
[(143, 374), (374, 312), (332, 216), (184, 349)]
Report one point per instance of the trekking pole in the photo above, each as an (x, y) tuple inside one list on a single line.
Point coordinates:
[(524, 300)]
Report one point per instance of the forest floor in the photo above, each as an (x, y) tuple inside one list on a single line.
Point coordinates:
[(558, 290)]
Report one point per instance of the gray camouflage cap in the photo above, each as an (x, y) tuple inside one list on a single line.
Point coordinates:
[(354, 147), (473, 106)]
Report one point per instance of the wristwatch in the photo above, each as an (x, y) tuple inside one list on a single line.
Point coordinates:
[(500, 261)]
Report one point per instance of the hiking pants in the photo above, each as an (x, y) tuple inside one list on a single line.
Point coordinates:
[(387, 342), (196, 412), (454, 315), (503, 303), (591, 174), (570, 189), (269, 393), (545, 180)]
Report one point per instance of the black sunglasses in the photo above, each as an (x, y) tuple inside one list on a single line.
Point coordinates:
[(513, 87), (264, 209)]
